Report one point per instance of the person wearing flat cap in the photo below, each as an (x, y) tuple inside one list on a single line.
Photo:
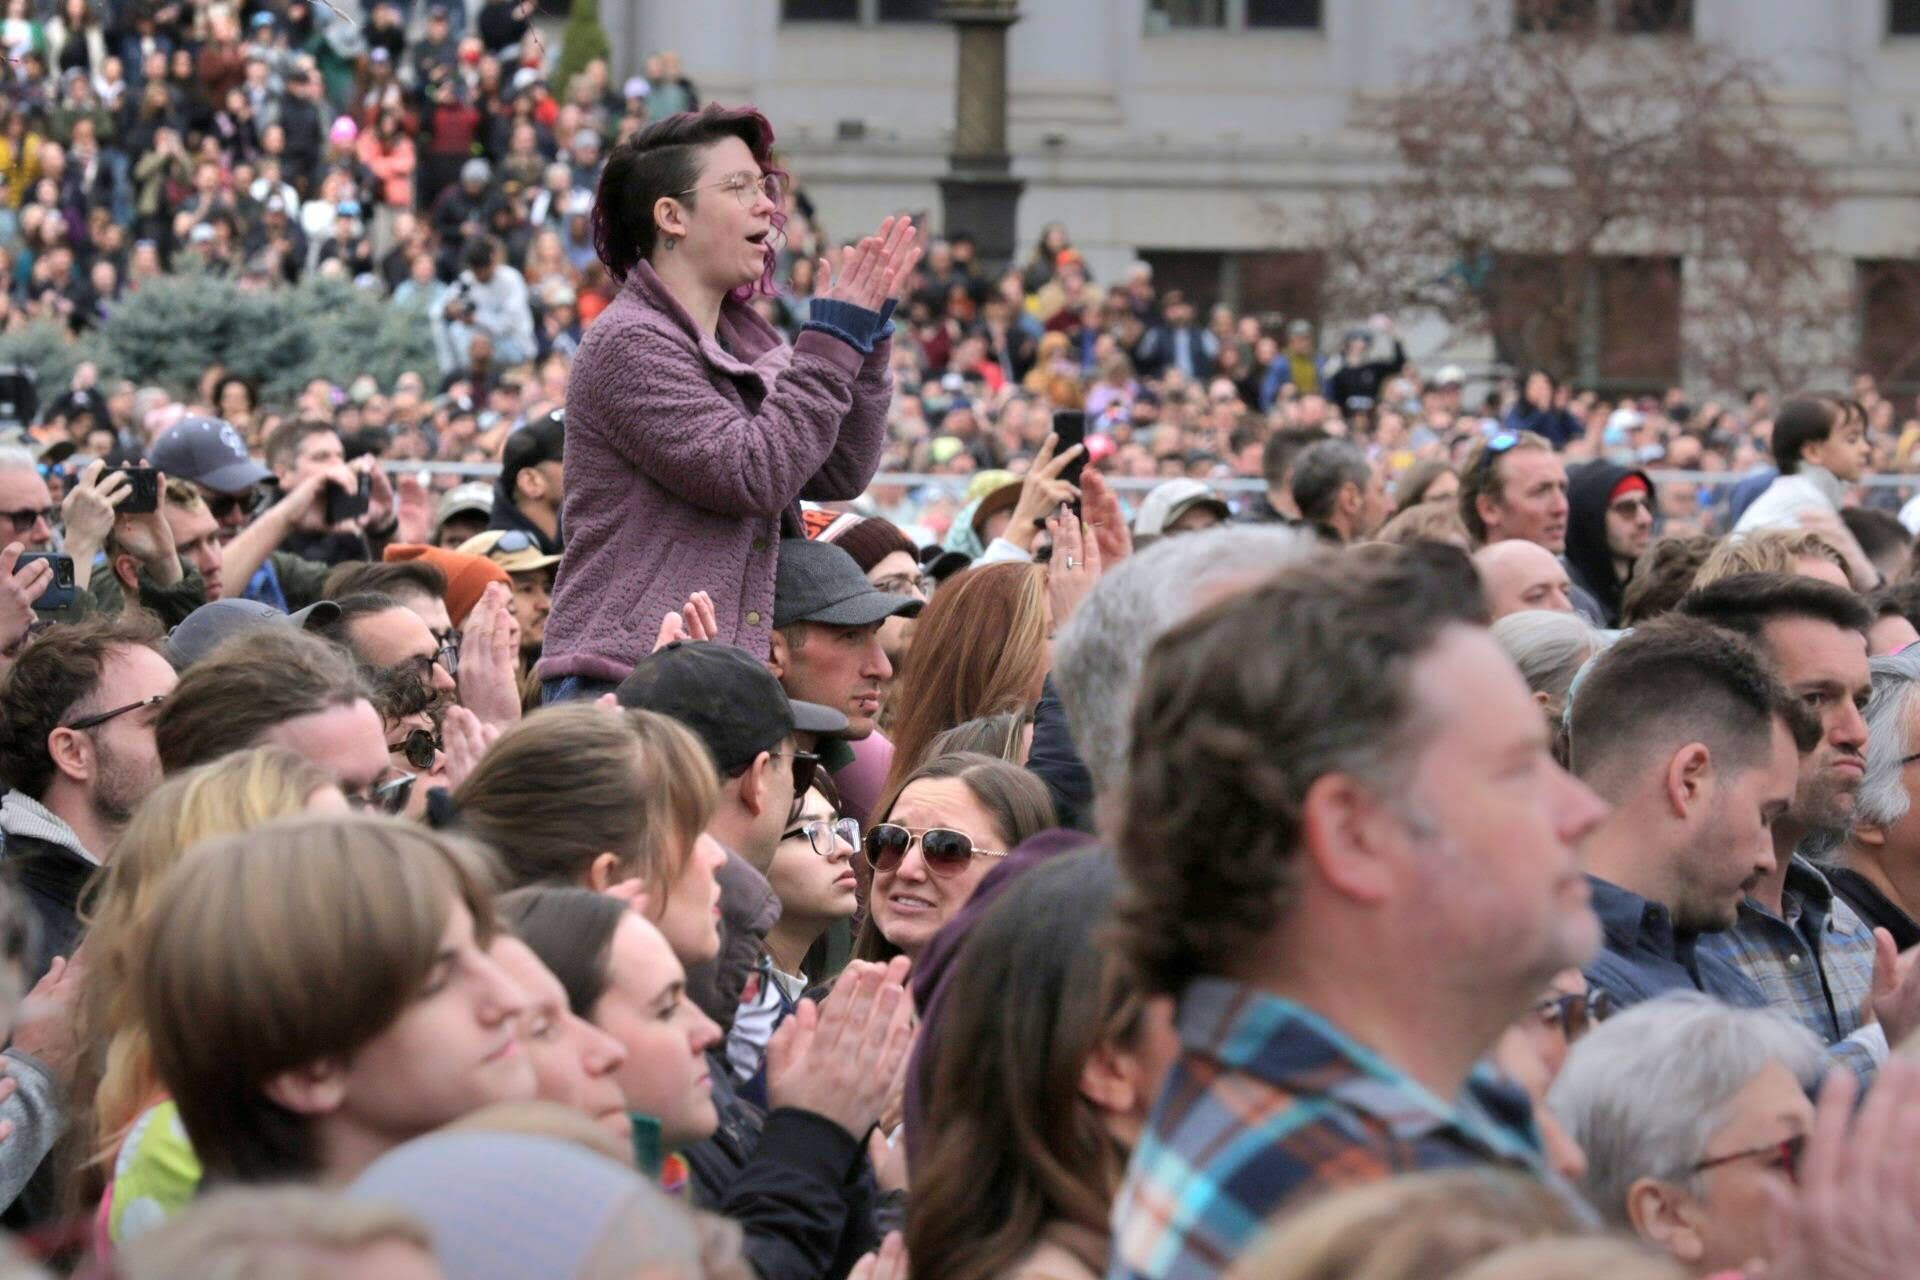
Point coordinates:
[(749, 726), (827, 650)]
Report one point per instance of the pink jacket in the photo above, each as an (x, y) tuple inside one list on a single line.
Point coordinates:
[(683, 455)]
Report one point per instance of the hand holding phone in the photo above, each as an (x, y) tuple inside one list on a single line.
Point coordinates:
[(143, 490), (345, 504), (60, 590), (1070, 428)]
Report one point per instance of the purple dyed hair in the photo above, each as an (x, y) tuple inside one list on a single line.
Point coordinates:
[(664, 160)]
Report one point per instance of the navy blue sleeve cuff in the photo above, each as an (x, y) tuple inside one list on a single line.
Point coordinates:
[(855, 325)]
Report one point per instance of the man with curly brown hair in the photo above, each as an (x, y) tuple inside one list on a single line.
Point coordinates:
[(1351, 857)]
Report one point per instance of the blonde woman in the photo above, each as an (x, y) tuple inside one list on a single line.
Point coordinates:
[(116, 1073)]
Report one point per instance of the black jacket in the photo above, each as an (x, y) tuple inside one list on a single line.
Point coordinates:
[(797, 1183), (749, 908), (1589, 561), (507, 516), (49, 873), (1056, 761)]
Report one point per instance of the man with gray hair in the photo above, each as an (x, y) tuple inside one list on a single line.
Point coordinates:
[(1877, 866), (1686, 1109), (1338, 491), (1097, 656), (26, 506)]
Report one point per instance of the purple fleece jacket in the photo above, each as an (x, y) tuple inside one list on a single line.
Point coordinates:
[(683, 454)]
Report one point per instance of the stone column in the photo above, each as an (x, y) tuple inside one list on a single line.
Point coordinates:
[(979, 195)]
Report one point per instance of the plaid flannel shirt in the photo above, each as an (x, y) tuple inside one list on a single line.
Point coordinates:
[(1268, 1101), (1814, 965)]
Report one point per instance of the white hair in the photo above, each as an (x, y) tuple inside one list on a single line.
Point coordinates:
[(1643, 1092), (1548, 646), (15, 458), (1098, 655), (1883, 797)]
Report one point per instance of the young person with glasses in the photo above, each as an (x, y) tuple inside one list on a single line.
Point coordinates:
[(78, 755), (687, 407), (934, 840)]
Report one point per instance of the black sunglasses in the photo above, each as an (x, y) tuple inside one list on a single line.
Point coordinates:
[(946, 851), (89, 722), (24, 520), (420, 746), (387, 797), (222, 505), (805, 765)]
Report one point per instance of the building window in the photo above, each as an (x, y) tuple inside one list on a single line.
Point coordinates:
[(865, 12), (1612, 324), (1887, 291), (1232, 15), (1903, 17), (1275, 286), (1623, 17)]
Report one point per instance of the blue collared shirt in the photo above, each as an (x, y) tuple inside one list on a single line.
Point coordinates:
[(1643, 956), (1268, 1101)]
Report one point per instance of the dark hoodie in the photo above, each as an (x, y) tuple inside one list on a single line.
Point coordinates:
[(1589, 561)]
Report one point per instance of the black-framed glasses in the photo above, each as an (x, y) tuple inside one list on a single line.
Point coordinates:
[(805, 764), (24, 519), (449, 652), (420, 746), (100, 718), (1575, 1014), (1907, 760), (1784, 1156), (827, 835), (946, 851), (744, 187), (421, 665), (390, 796), (1494, 447)]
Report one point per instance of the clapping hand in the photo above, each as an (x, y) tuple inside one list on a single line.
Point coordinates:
[(488, 644), (872, 271)]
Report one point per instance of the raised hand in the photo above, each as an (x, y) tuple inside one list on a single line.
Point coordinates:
[(18, 592), (464, 738), (874, 269), (1100, 509), (488, 657), (1041, 490), (414, 507), (839, 1060), (88, 510), (1075, 566), (47, 1016)]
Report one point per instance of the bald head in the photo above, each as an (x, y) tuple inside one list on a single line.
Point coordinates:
[(1518, 575)]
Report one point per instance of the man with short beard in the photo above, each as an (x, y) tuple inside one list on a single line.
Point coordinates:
[(1805, 948), (77, 754)]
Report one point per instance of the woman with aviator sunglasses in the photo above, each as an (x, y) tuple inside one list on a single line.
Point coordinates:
[(937, 836)]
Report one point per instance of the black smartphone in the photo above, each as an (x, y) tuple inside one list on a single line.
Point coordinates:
[(1070, 425), (347, 504), (145, 492), (60, 592)]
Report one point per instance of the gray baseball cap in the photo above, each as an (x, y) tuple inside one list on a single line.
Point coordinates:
[(217, 621), (207, 451), (819, 582)]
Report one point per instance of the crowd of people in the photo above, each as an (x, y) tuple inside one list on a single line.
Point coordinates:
[(1465, 858)]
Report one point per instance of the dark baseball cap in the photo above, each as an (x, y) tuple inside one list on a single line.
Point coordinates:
[(819, 582), (727, 697), (206, 451), (217, 621)]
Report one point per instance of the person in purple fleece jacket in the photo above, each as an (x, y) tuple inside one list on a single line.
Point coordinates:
[(693, 430)]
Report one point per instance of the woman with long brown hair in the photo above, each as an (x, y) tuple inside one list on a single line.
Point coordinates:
[(983, 647), (1041, 1060)]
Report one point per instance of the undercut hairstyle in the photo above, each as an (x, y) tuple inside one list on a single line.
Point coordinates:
[(1747, 602), (664, 159), (1283, 447), (399, 579), (1486, 473), (1663, 574), (572, 782), (53, 682), (1880, 535), (1801, 421), (233, 697), (1767, 551), (290, 945), (339, 628), (283, 445), (571, 930), (1225, 749), (1675, 681), (1643, 1092), (1322, 471)]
